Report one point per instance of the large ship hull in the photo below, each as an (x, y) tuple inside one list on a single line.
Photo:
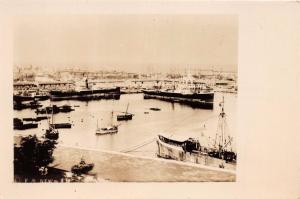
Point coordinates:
[(20, 98), (109, 93), (169, 151), (197, 100)]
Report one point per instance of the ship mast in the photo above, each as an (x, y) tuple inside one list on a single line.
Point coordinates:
[(127, 108), (220, 135)]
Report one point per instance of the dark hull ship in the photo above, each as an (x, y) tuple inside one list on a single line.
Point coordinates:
[(187, 91), (125, 115), (197, 100), (36, 119), (52, 133), (18, 105), (55, 109), (86, 94), (21, 98), (20, 125), (61, 125)]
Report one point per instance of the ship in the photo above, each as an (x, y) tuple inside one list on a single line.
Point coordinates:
[(20, 125), (188, 91), (82, 167), (188, 149), (111, 129), (30, 95), (51, 133), (125, 115), (85, 93), (18, 105), (55, 109)]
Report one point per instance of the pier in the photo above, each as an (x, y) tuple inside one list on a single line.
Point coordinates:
[(121, 167)]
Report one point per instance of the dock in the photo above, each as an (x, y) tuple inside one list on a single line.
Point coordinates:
[(122, 167)]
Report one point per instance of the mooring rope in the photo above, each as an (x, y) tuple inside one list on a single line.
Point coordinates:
[(147, 142)]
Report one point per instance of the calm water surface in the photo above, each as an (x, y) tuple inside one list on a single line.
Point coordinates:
[(175, 119)]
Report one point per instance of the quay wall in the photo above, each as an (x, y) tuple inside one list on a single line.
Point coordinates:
[(121, 167)]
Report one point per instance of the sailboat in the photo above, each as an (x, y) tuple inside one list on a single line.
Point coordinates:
[(51, 132), (125, 115), (222, 142), (111, 129)]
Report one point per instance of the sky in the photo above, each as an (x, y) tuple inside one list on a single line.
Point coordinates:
[(135, 43)]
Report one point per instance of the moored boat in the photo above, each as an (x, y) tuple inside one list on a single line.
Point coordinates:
[(20, 125), (188, 91), (191, 150), (86, 93), (61, 125), (111, 129), (125, 115)]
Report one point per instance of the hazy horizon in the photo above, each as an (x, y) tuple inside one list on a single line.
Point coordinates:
[(135, 43)]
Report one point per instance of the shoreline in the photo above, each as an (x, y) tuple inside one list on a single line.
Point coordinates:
[(119, 167)]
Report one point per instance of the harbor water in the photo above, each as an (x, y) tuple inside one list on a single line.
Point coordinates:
[(136, 136)]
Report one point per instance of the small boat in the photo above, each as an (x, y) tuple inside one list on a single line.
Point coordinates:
[(55, 109), (125, 115), (82, 167), (18, 105), (107, 130), (20, 125), (155, 109), (85, 93), (51, 133), (61, 125), (66, 108), (37, 119), (146, 112)]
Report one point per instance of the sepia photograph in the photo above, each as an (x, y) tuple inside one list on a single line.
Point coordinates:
[(125, 98), (149, 99)]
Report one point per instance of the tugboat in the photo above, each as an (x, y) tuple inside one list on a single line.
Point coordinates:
[(82, 167), (52, 133), (20, 125), (111, 129), (190, 149), (125, 115)]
